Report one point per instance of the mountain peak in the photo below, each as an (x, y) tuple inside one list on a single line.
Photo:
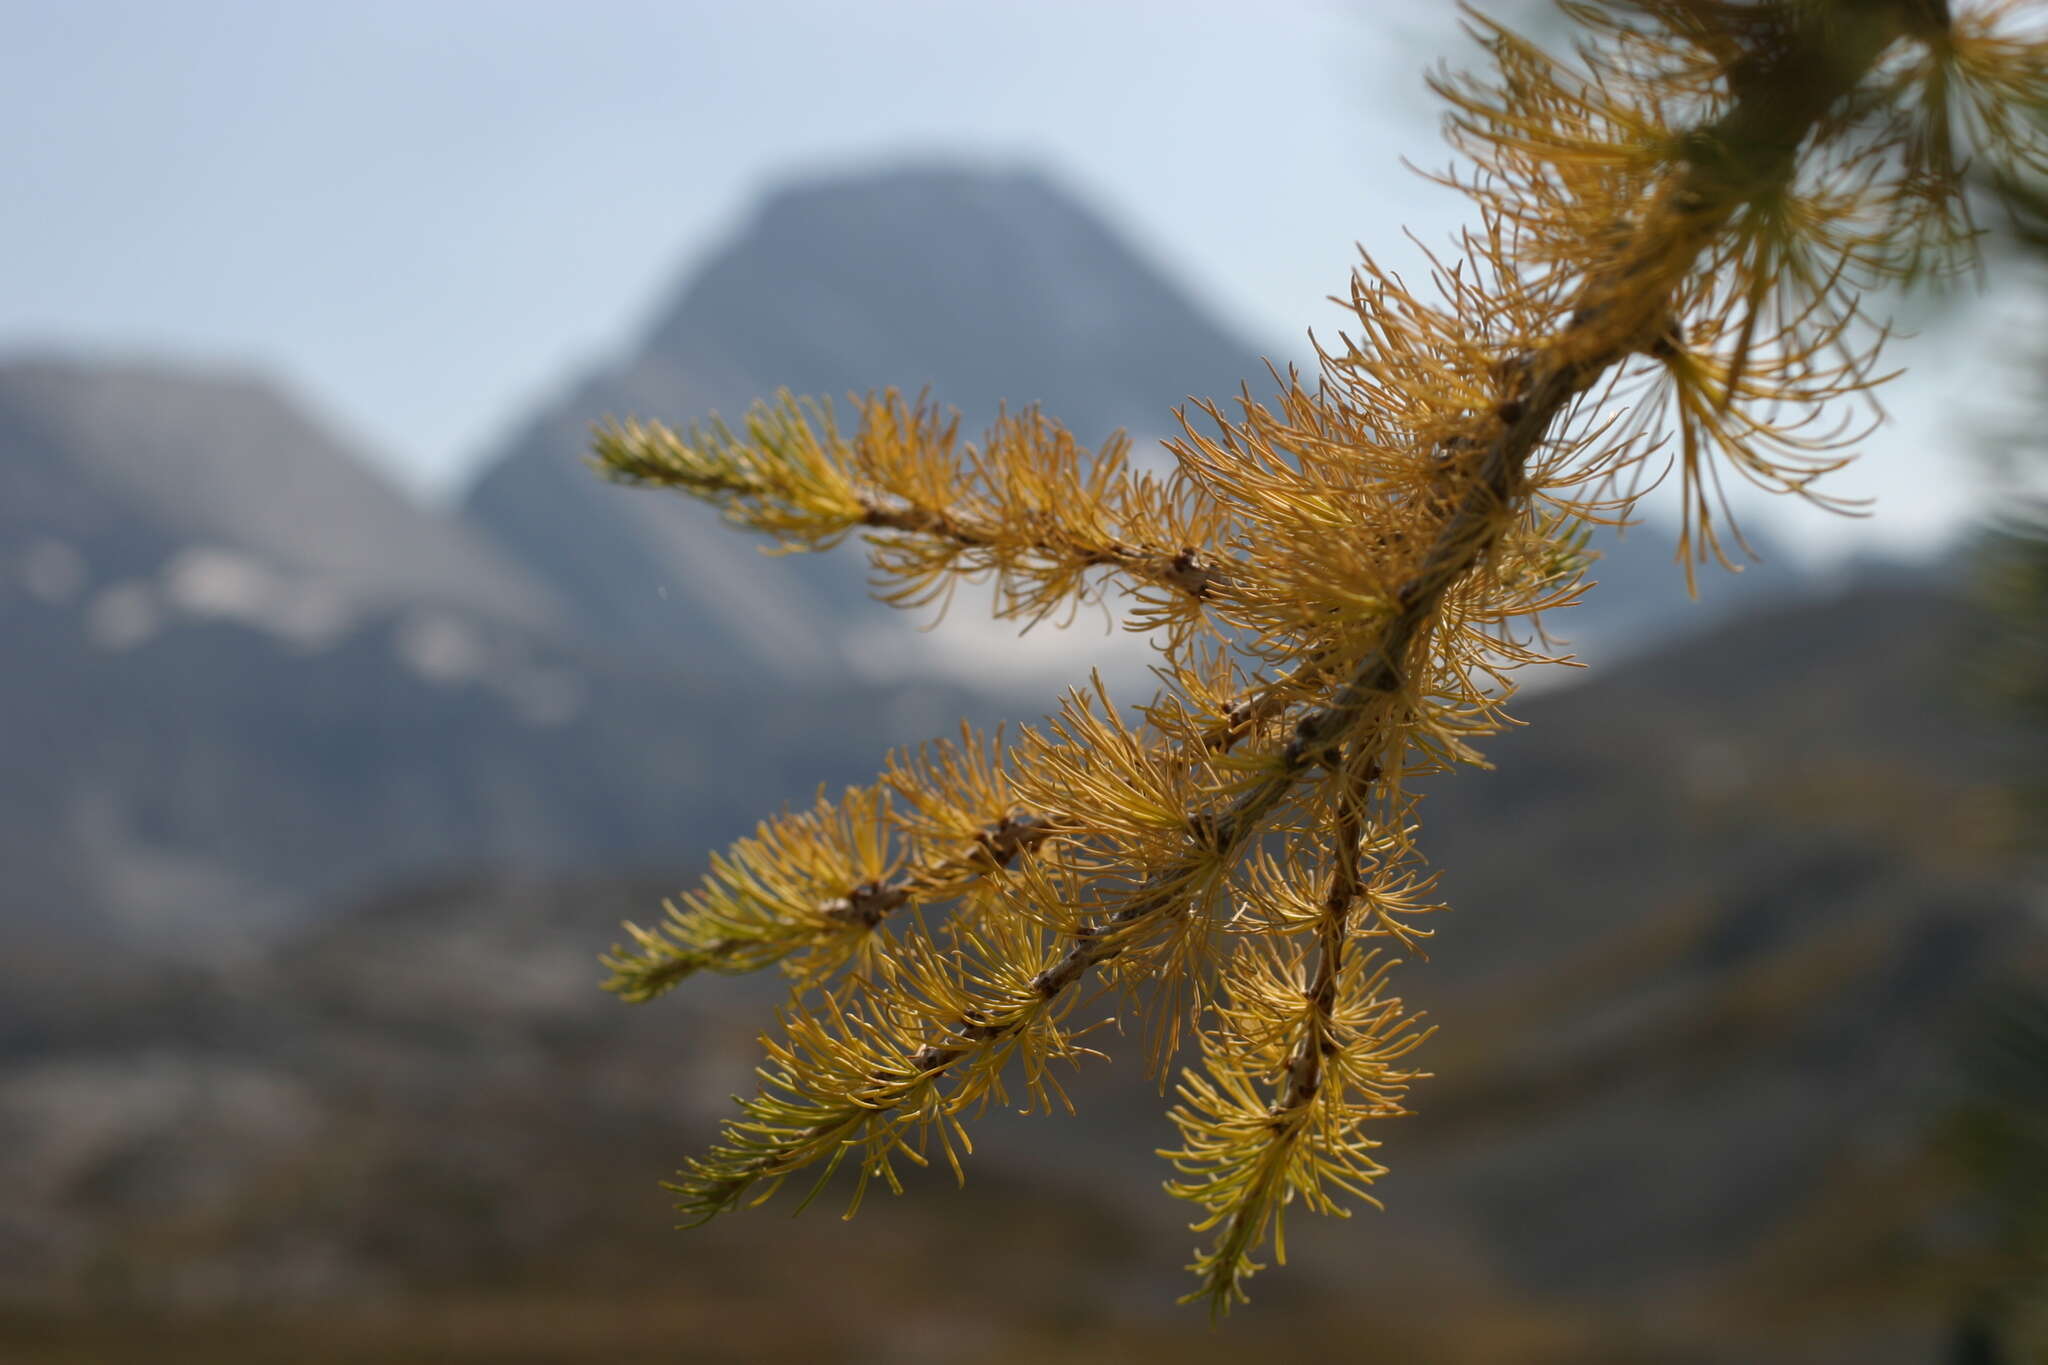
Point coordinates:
[(986, 285), (898, 210), (955, 186), (991, 284)]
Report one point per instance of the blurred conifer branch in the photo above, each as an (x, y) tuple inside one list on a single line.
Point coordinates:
[(1677, 226)]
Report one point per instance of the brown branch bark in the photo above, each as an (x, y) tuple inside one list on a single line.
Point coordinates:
[(1188, 570)]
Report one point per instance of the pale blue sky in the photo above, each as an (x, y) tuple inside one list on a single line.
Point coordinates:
[(425, 214)]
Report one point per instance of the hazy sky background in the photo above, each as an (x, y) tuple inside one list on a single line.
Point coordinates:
[(427, 215)]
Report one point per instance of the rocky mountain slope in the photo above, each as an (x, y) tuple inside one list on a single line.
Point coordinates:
[(245, 679)]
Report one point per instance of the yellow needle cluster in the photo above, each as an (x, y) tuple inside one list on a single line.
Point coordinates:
[(1677, 224)]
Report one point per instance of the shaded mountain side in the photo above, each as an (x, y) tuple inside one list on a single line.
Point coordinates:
[(1638, 601), (1712, 916), (990, 287), (207, 605), (214, 782), (1849, 717)]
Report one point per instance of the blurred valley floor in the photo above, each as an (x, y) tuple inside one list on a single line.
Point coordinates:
[(1717, 919)]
